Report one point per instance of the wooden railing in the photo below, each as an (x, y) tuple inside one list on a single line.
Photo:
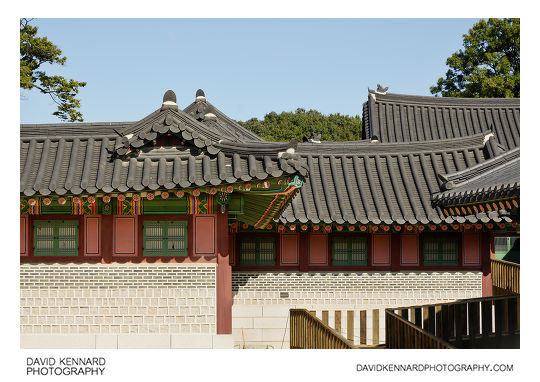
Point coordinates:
[(402, 334), (489, 322), (504, 277), (309, 332)]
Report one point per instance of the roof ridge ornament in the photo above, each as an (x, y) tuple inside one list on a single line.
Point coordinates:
[(169, 101), (381, 90), (314, 138), (199, 96)]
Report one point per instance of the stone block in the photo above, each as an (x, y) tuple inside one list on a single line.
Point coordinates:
[(57, 341), (247, 311), (270, 322), (187, 341), (144, 341)]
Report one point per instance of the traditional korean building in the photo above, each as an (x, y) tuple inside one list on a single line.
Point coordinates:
[(184, 229)]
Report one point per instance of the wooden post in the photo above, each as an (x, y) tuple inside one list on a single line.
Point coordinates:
[(107, 238), (325, 316), (363, 327), (337, 324), (223, 276), (375, 326), (395, 252), (487, 252), (350, 325)]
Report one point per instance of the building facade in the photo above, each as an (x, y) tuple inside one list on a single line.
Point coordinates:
[(185, 230)]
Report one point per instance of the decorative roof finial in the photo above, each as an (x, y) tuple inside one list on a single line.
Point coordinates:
[(199, 96), (381, 90), (315, 138), (169, 101)]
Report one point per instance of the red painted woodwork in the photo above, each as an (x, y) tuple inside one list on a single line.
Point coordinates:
[(223, 277), (125, 236), (205, 235), (487, 251), (471, 248), (289, 249), (24, 236), (395, 251), (318, 249), (381, 249), (303, 252), (107, 238), (409, 250), (92, 236), (232, 248)]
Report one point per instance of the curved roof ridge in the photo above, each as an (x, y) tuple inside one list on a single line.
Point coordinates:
[(366, 146), (201, 106), (481, 169), (409, 98)]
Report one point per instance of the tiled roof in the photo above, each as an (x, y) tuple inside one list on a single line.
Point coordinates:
[(397, 178), (202, 111), (495, 179), (95, 158), (391, 117), (393, 184)]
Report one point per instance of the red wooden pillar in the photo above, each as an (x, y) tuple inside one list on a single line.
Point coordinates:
[(107, 238), (395, 252), (486, 255), (224, 276), (303, 252)]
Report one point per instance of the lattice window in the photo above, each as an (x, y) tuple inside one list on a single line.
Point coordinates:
[(440, 250), (349, 250), (257, 250), (56, 237), (164, 238)]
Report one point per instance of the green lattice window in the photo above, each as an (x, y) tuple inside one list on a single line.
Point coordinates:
[(165, 238), (349, 250), (257, 250), (56, 237), (440, 250)]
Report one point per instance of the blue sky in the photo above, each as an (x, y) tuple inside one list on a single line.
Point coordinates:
[(247, 67)]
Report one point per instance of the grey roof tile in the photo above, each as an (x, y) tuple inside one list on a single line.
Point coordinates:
[(405, 118)]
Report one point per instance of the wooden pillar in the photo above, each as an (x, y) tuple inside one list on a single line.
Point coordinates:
[(486, 255), (303, 252), (395, 252), (107, 238), (224, 276)]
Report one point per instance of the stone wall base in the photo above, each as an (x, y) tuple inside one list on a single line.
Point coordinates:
[(126, 341)]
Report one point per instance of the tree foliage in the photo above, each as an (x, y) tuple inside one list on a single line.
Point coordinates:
[(301, 123), (488, 66), (36, 51)]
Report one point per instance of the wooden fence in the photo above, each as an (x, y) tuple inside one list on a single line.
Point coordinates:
[(489, 322), (402, 334), (504, 277), (309, 332)]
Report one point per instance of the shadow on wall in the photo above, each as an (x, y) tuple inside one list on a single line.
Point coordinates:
[(513, 254)]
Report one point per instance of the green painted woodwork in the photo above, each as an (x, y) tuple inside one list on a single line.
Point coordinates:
[(165, 206), (56, 237), (236, 204), (257, 250), (441, 250), (165, 238), (56, 209), (349, 250)]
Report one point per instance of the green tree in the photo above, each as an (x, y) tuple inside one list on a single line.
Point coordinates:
[(36, 51), (287, 125), (489, 64)]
